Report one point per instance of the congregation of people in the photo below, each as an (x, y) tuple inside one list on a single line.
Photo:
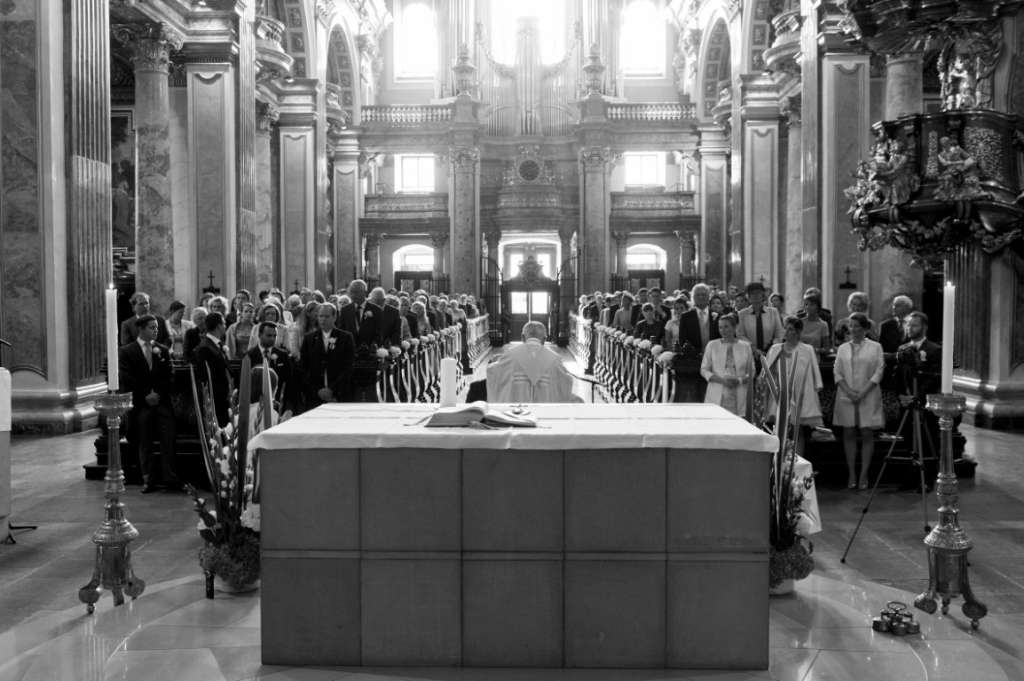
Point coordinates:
[(747, 335), (312, 344)]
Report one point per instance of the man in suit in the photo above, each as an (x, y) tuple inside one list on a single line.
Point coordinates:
[(129, 327), (280, 361), (759, 324), (327, 357), (699, 325), (638, 306), (389, 321), (892, 333), (358, 318), (145, 369), (919, 363), (661, 313), (211, 364)]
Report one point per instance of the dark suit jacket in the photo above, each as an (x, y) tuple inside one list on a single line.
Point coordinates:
[(192, 338), (138, 378), (928, 372), (414, 325), (208, 354), (367, 332), (689, 328), (890, 335), (389, 326), (287, 378), (331, 366), (129, 333), (652, 332)]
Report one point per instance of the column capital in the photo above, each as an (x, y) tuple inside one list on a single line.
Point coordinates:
[(150, 45), (440, 238), (596, 158), (373, 239), (267, 114), (464, 158), (791, 110), (621, 237)]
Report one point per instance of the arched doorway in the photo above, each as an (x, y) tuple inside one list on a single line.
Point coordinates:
[(530, 295)]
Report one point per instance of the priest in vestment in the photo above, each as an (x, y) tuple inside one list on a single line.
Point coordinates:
[(530, 373)]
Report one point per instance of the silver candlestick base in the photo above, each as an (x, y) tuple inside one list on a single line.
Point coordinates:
[(113, 569), (947, 543)]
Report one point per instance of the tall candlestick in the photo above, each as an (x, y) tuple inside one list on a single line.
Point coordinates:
[(448, 379), (948, 310), (112, 331)]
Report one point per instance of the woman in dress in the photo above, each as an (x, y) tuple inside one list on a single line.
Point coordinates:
[(857, 302), (177, 327), (728, 367), (239, 333), (672, 325), (270, 311), (423, 325), (794, 365), (859, 369), (816, 332), (623, 319)]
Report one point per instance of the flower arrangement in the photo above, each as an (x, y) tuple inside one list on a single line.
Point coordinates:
[(790, 553), (229, 517)]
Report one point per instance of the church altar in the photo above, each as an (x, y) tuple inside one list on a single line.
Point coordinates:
[(610, 536)]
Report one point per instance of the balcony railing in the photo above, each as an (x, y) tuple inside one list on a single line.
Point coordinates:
[(399, 206), (406, 116), (651, 112)]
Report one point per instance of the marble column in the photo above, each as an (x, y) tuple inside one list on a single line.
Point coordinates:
[(713, 204), (810, 145), (567, 282), (890, 273), (263, 229), (55, 231), (297, 167), (347, 201), (464, 204), (151, 46), (594, 268), (845, 140), (792, 282), (245, 149), (371, 270), (760, 120), (212, 128)]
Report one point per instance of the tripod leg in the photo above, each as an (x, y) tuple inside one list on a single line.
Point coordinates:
[(918, 453), (874, 489)]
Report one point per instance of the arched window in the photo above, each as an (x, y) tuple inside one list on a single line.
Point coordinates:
[(642, 46), (551, 21), (415, 41), (646, 257), (413, 258)]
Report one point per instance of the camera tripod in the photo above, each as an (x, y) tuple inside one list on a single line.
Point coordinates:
[(918, 436)]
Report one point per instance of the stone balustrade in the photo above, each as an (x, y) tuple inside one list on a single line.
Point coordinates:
[(406, 116), (651, 112), (272, 61)]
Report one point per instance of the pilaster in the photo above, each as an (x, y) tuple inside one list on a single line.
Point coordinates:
[(846, 125), (297, 127), (371, 266), (464, 206), (594, 213), (760, 119), (713, 198), (266, 268), (439, 242), (346, 207), (792, 280)]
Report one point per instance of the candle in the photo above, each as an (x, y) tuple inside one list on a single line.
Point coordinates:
[(112, 332), (948, 310), (448, 374)]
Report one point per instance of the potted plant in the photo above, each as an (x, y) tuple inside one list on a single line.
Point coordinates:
[(229, 517)]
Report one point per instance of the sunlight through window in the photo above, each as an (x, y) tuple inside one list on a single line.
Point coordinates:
[(415, 42), (551, 21), (643, 40)]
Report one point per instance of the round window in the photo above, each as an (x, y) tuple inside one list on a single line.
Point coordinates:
[(529, 170)]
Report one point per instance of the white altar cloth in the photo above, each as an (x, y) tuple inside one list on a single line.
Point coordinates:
[(560, 426)]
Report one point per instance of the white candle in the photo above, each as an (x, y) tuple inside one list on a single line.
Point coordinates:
[(448, 377), (112, 332), (948, 310)]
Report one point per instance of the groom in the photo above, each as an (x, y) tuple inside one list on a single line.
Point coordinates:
[(327, 355)]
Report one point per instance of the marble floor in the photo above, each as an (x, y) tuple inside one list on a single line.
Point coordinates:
[(172, 632)]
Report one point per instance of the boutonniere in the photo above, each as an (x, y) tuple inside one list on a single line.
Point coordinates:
[(273, 356), (331, 342), (924, 356), (156, 351), (368, 314)]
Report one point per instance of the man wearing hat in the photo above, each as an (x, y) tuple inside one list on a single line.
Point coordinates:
[(760, 324)]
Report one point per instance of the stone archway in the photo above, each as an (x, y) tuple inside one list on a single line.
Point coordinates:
[(717, 65), (341, 77)]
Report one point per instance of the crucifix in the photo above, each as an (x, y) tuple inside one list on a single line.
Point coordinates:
[(848, 284)]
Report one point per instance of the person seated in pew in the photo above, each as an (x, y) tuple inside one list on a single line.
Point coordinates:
[(530, 373)]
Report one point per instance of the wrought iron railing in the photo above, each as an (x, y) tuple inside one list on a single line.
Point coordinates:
[(581, 341), (632, 370)]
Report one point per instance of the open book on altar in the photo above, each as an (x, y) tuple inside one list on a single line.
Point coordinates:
[(479, 412)]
